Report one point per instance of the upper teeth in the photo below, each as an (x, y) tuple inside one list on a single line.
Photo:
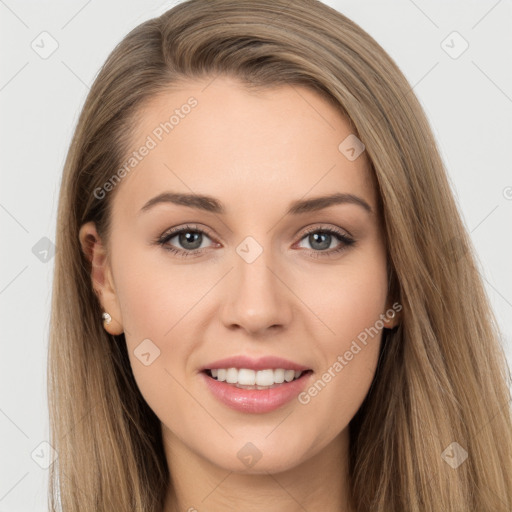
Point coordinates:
[(249, 377)]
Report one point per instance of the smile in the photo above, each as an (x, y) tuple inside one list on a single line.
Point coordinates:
[(277, 388)]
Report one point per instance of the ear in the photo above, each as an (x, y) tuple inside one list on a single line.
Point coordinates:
[(392, 315), (101, 276)]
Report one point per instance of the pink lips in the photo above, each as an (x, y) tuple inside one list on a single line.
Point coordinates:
[(255, 400), (263, 363)]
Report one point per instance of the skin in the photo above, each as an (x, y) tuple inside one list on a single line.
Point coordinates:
[(256, 153)]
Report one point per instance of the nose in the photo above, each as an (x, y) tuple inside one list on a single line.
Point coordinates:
[(257, 297)]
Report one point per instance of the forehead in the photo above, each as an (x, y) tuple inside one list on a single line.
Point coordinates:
[(261, 148)]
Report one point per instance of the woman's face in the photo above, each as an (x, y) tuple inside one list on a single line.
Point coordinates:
[(263, 269)]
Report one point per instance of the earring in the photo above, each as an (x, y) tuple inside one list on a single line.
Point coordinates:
[(106, 317)]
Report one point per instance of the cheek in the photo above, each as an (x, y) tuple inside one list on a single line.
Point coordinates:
[(336, 393), (349, 302), (347, 299), (154, 295), (154, 300)]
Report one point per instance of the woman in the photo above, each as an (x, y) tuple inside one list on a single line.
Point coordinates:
[(325, 342)]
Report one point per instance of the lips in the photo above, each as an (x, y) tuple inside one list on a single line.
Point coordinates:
[(263, 399), (262, 363), (253, 400)]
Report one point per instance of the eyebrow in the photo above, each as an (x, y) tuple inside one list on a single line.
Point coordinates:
[(213, 205)]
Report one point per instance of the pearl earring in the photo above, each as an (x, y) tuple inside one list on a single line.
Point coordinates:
[(106, 317)]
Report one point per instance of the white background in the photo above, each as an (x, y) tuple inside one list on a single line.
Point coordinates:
[(468, 101)]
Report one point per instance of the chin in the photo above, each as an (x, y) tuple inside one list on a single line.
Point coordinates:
[(258, 458)]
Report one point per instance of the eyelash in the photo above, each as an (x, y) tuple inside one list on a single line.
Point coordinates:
[(342, 237)]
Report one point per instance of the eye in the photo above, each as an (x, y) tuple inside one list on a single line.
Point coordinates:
[(320, 239), (189, 237)]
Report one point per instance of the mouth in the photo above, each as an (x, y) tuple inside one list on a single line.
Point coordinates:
[(244, 378), (257, 390)]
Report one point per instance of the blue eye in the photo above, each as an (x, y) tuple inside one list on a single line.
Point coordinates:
[(191, 239)]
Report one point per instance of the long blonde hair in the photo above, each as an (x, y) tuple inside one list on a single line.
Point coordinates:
[(442, 376)]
